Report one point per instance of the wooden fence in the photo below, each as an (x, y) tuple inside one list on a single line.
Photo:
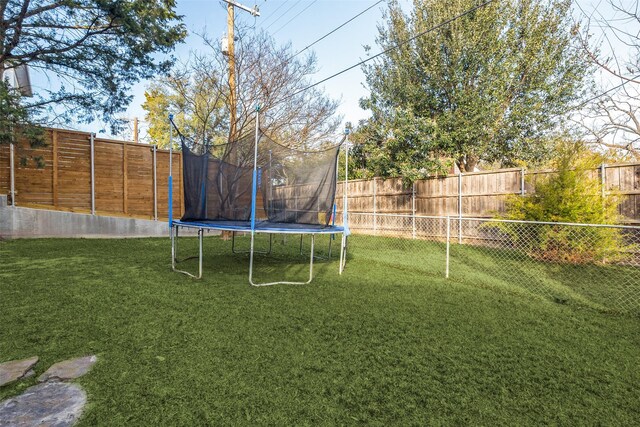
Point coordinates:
[(478, 194), (126, 179), (132, 180)]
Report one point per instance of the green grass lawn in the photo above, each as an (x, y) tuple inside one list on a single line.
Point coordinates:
[(388, 342)]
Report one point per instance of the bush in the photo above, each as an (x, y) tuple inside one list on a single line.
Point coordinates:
[(571, 194)]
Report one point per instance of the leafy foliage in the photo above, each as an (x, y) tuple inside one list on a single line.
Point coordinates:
[(490, 86), (572, 194), (97, 48), (193, 92), (16, 122)]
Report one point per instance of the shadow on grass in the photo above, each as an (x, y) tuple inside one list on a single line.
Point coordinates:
[(600, 287), (606, 288)]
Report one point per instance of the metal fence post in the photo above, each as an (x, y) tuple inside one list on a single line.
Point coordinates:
[(460, 208), (375, 213), (522, 189), (12, 172), (446, 275), (603, 179), (155, 183), (413, 210), (93, 174)]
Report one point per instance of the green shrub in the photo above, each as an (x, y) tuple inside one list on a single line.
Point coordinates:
[(573, 193)]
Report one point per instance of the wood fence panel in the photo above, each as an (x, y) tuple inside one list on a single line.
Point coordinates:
[(33, 182), (162, 171), (108, 175), (140, 180), (437, 196), (74, 171), (5, 172)]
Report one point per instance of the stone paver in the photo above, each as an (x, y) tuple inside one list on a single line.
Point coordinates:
[(16, 369), (69, 369), (52, 404)]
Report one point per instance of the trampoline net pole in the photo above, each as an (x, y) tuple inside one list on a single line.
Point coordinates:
[(254, 191)]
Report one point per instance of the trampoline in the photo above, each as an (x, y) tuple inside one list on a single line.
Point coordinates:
[(256, 185)]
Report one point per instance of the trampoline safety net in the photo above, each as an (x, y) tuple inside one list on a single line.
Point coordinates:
[(294, 186)]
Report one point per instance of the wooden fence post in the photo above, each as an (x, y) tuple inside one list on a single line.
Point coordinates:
[(93, 173), (413, 210), (54, 177), (12, 173), (375, 213), (603, 178), (460, 208), (522, 188), (125, 186), (155, 183)]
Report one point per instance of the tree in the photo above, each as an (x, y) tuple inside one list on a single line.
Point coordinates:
[(489, 86), (196, 95), (612, 122), (268, 75), (621, 28), (97, 48), (15, 121), (571, 194)]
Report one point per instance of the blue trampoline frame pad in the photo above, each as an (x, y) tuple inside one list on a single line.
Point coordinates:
[(261, 227)]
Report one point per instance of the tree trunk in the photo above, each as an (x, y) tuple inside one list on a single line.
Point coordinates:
[(468, 162)]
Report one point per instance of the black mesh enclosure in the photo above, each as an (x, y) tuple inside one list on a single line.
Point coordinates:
[(294, 186)]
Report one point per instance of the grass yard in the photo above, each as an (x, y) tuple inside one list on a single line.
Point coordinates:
[(386, 343)]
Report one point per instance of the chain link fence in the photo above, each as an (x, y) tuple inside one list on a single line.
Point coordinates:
[(588, 265)]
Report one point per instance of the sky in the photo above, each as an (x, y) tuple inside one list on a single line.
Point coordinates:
[(302, 22), (298, 22)]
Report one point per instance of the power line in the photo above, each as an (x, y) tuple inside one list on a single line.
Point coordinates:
[(603, 93), (298, 14), (274, 12), (285, 12), (410, 39), (335, 29)]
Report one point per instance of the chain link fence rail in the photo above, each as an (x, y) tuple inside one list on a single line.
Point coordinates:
[(588, 265)]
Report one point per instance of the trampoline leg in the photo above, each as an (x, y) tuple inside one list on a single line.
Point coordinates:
[(174, 252), (311, 256), (233, 242), (175, 241), (173, 247), (343, 253), (313, 240), (200, 235)]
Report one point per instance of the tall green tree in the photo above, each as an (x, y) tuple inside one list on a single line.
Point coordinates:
[(97, 49), (489, 86)]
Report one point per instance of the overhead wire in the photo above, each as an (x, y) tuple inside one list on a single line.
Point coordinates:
[(298, 14), (283, 14), (584, 103), (335, 29), (266, 18), (395, 46)]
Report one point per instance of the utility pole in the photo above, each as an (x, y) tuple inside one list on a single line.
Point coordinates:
[(135, 130), (231, 5)]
